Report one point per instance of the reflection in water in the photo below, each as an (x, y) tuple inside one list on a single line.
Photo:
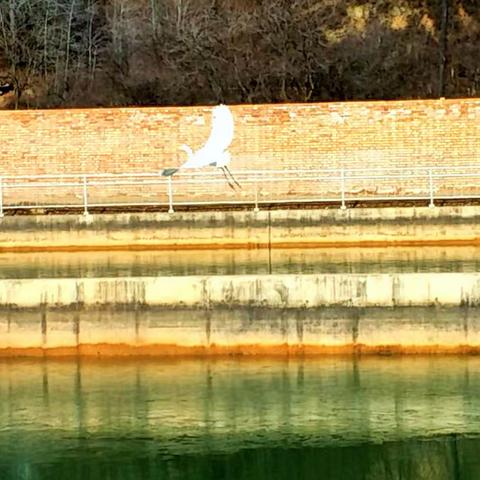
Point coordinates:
[(334, 418), (236, 262)]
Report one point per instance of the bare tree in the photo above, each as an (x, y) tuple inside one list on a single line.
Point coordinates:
[(155, 52)]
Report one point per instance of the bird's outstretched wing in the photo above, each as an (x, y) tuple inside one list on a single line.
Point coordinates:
[(221, 135), (219, 140)]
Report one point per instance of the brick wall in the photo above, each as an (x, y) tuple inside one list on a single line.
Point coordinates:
[(310, 136)]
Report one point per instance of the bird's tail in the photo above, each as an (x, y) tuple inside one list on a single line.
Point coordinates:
[(168, 172)]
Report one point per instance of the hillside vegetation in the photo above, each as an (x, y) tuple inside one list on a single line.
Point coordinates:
[(61, 53)]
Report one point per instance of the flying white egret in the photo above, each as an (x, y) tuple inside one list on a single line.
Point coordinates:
[(214, 153)]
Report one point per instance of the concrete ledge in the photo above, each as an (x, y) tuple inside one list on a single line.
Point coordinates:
[(240, 229), (251, 314), (273, 291)]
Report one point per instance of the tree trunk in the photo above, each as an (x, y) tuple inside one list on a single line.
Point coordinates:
[(444, 14), (69, 31)]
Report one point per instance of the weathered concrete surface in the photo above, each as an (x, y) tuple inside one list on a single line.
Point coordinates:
[(276, 228), (273, 291), (133, 230), (160, 331), (251, 314)]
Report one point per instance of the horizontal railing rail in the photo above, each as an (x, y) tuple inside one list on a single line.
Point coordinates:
[(257, 187)]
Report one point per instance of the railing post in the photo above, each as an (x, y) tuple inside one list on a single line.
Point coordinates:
[(430, 182), (344, 205), (85, 196), (170, 195), (256, 209), (1, 197)]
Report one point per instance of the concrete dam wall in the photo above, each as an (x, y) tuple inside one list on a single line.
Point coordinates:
[(244, 229), (289, 313), (243, 314)]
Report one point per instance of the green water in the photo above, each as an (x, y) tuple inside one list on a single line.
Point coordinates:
[(332, 418), (240, 262)]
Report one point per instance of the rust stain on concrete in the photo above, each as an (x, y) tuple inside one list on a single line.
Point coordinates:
[(240, 246), (252, 350)]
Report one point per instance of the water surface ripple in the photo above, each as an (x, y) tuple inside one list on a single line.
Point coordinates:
[(240, 262), (332, 418)]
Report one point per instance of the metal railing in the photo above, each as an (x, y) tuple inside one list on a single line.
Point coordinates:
[(258, 187)]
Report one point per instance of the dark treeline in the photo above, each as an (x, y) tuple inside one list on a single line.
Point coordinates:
[(184, 52)]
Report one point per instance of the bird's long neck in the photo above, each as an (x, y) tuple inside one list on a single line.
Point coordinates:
[(187, 150)]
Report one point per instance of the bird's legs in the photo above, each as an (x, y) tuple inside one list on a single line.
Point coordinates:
[(226, 178), (233, 178)]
